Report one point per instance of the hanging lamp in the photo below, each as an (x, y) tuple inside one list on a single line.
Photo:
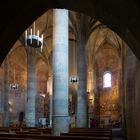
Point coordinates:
[(32, 39), (74, 78)]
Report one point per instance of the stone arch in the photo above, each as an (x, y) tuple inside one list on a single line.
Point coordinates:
[(125, 25), (111, 43)]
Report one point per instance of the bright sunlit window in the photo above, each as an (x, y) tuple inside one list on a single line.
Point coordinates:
[(107, 80)]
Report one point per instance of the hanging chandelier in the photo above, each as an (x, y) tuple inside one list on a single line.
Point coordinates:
[(32, 39), (42, 95), (74, 78), (14, 86)]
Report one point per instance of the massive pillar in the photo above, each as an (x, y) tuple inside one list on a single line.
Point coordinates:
[(5, 107), (31, 88), (82, 119), (60, 71), (50, 88)]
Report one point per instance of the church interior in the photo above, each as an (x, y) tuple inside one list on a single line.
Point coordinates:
[(69, 67)]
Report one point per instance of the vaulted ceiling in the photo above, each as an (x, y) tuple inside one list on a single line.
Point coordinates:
[(122, 16), (102, 44)]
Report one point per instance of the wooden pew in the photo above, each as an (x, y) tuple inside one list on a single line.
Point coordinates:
[(43, 131), (91, 129), (96, 132), (8, 138), (103, 129), (16, 129), (87, 134), (4, 129), (28, 132), (29, 129), (25, 130), (86, 131), (37, 137)]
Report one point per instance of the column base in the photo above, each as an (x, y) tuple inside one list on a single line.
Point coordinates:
[(61, 124)]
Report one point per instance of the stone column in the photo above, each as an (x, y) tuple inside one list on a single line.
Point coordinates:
[(82, 119), (60, 71), (31, 88), (5, 107), (50, 88)]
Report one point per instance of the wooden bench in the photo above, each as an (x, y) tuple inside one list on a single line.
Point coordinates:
[(91, 129), (87, 134), (8, 138), (28, 132), (16, 129), (100, 129), (4, 129), (97, 132), (43, 131), (25, 130), (37, 137)]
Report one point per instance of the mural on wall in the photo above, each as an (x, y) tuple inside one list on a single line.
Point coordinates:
[(109, 97), (109, 103), (17, 79), (17, 74)]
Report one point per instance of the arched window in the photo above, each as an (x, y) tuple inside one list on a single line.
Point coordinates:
[(107, 79)]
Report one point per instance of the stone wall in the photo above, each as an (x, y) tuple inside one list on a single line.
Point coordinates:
[(137, 101), (109, 98), (16, 106), (132, 96)]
